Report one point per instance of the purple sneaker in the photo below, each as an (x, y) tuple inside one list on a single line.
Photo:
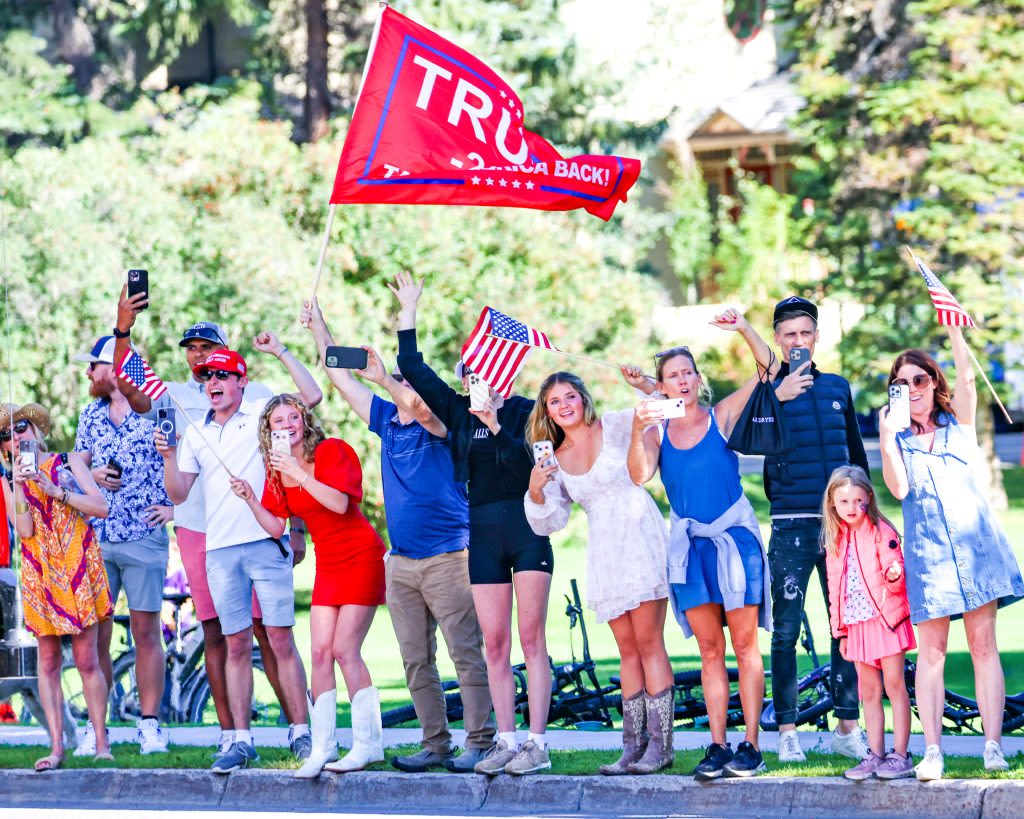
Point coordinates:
[(866, 769), (895, 767)]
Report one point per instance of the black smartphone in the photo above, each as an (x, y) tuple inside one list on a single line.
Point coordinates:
[(115, 466), (798, 356), (166, 424), (138, 282), (346, 358)]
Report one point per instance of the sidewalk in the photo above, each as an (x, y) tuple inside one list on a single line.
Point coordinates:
[(559, 740)]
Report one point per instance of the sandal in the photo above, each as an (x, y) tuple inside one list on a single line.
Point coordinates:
[(106, 756), (49, 763)]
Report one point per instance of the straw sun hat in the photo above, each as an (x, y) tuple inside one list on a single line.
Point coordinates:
[(37, 414)]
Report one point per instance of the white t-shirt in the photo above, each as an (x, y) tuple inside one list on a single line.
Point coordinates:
[(191, 395), (229, 521)]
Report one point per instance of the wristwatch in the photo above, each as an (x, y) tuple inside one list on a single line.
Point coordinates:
[(119, 334)]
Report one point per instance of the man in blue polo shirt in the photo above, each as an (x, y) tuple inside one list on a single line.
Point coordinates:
[(427, 568)]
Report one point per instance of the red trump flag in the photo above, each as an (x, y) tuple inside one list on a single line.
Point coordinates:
[(434, 125)]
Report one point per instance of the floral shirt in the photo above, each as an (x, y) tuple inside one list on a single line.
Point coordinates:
[(142, 479), (858, 605)]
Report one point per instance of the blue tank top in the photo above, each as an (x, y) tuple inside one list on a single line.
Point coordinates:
[(703, 481)]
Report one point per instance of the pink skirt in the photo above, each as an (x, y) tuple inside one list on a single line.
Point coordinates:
[(868, 642)]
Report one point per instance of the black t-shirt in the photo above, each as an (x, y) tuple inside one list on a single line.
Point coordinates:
[(485, 485)]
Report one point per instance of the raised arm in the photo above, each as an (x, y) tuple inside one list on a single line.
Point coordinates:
[(127, 311), (309, 390), (728, 410), (644, 444), (965, 391), (358, 396), (405, 399), (894, 471)]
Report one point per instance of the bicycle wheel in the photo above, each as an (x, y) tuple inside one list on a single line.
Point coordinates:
[(407, 713), (813, 703), (265, 708), (690, 707), (124, 705)]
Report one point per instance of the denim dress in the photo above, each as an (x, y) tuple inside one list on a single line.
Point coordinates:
[(957, 556)]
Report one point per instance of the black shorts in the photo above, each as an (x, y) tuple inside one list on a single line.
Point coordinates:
[(501, 542)]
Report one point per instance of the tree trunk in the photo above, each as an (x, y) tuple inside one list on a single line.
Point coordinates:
[(317, 104), (75, 44), (991, 476)]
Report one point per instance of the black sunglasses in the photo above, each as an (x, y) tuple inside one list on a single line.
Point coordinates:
[(920, 381), (220, 375), (19, 427), (671, 351)]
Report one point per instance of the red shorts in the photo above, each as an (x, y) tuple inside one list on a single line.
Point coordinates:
[(358, 583), (192, 546)]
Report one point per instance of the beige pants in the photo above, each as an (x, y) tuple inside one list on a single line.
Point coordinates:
[(422, 595)]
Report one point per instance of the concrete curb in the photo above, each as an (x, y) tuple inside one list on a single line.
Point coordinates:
[(635, 796)]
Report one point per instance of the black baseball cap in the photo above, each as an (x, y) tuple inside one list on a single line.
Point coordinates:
[(206, 331), (794, 304)]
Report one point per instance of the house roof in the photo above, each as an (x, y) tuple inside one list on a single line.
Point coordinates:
[(766, 107)]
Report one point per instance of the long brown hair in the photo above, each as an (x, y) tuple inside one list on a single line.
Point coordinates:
[(832, 526), (539, 426), (943, 400), (312, 435)]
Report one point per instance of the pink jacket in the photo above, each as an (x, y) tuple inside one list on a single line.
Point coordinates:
[(875, 551)]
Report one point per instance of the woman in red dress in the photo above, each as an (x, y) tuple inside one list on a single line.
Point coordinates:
[(320, 481)]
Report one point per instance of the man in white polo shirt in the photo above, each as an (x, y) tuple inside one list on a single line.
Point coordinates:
[(239, 556)]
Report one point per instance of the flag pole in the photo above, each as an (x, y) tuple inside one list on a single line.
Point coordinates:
[(332, 209), (202, 437)]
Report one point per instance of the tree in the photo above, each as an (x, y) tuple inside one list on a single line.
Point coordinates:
[(75, 44), (914, 111), (317, 103)]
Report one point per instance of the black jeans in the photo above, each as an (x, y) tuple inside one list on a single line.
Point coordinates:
[(794, 553)]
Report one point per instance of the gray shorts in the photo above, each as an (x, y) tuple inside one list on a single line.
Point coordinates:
[(139, 567), (234, 571)]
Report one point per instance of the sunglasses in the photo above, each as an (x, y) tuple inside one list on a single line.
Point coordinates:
[(920, 381), (220, 375), (671, 351), (19, 427)]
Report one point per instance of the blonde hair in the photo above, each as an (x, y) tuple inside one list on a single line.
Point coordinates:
[(832, 527), (539, 426), (312, 435)]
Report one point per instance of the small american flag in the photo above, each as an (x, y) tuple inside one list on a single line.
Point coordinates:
[(951, 314), (137, 372), (496, 349)]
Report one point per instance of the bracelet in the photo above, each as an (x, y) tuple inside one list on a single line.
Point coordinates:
[(283, 351), (295, 530), (119, 334)]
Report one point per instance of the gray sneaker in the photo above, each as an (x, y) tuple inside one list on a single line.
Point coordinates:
[(895, 767), (866, 768), (239, 755), (495, 760), (530, 759), (422, 761), (466, 761)]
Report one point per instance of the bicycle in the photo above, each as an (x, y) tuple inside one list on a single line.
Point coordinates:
[(577, 697)]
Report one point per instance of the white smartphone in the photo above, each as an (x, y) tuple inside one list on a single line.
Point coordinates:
[(899, 405), (479, 392), (670, 407), (29, 454), (543, 453), (280, 441)]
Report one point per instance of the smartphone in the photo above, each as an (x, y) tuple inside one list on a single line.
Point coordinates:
[(280, 441), (544, 453), (479, 392), (29, 454), (138, 282), (165, 423), (114, 465), (346, 358), (670, 407), (899, 405), (798, 356)]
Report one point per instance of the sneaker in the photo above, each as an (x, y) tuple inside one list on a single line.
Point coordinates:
[(530, 759), (301, 746), (495, 760), (853, 744), (931, 766), (239, 755), (466, 761), (747, 762), (224, 743), (866, 768), (895, 767), (421, 762), (151, 737), (87, 747), (994, 759), (789, 748), (715, 757)]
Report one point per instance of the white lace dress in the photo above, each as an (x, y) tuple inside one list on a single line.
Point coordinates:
[(628, 538)]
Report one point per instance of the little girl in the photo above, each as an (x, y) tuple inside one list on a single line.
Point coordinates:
[(870, 614)]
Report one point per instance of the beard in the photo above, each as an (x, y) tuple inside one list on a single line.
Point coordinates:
[(99, 390)]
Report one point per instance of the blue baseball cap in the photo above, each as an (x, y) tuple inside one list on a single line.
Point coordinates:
[(795, 304), (102, 352), (204, 331)]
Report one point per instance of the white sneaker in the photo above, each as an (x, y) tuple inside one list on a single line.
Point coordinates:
[(150, 737), (854, 744), (994, 759), (227, 739), (789, 748), (87, 747), (930, 768)]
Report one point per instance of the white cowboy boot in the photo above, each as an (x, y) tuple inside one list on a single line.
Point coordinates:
[(323, 721), (367, 733)]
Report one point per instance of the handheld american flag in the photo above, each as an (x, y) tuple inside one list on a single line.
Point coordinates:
[(134, 369), (951, 313), (496, 349)]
